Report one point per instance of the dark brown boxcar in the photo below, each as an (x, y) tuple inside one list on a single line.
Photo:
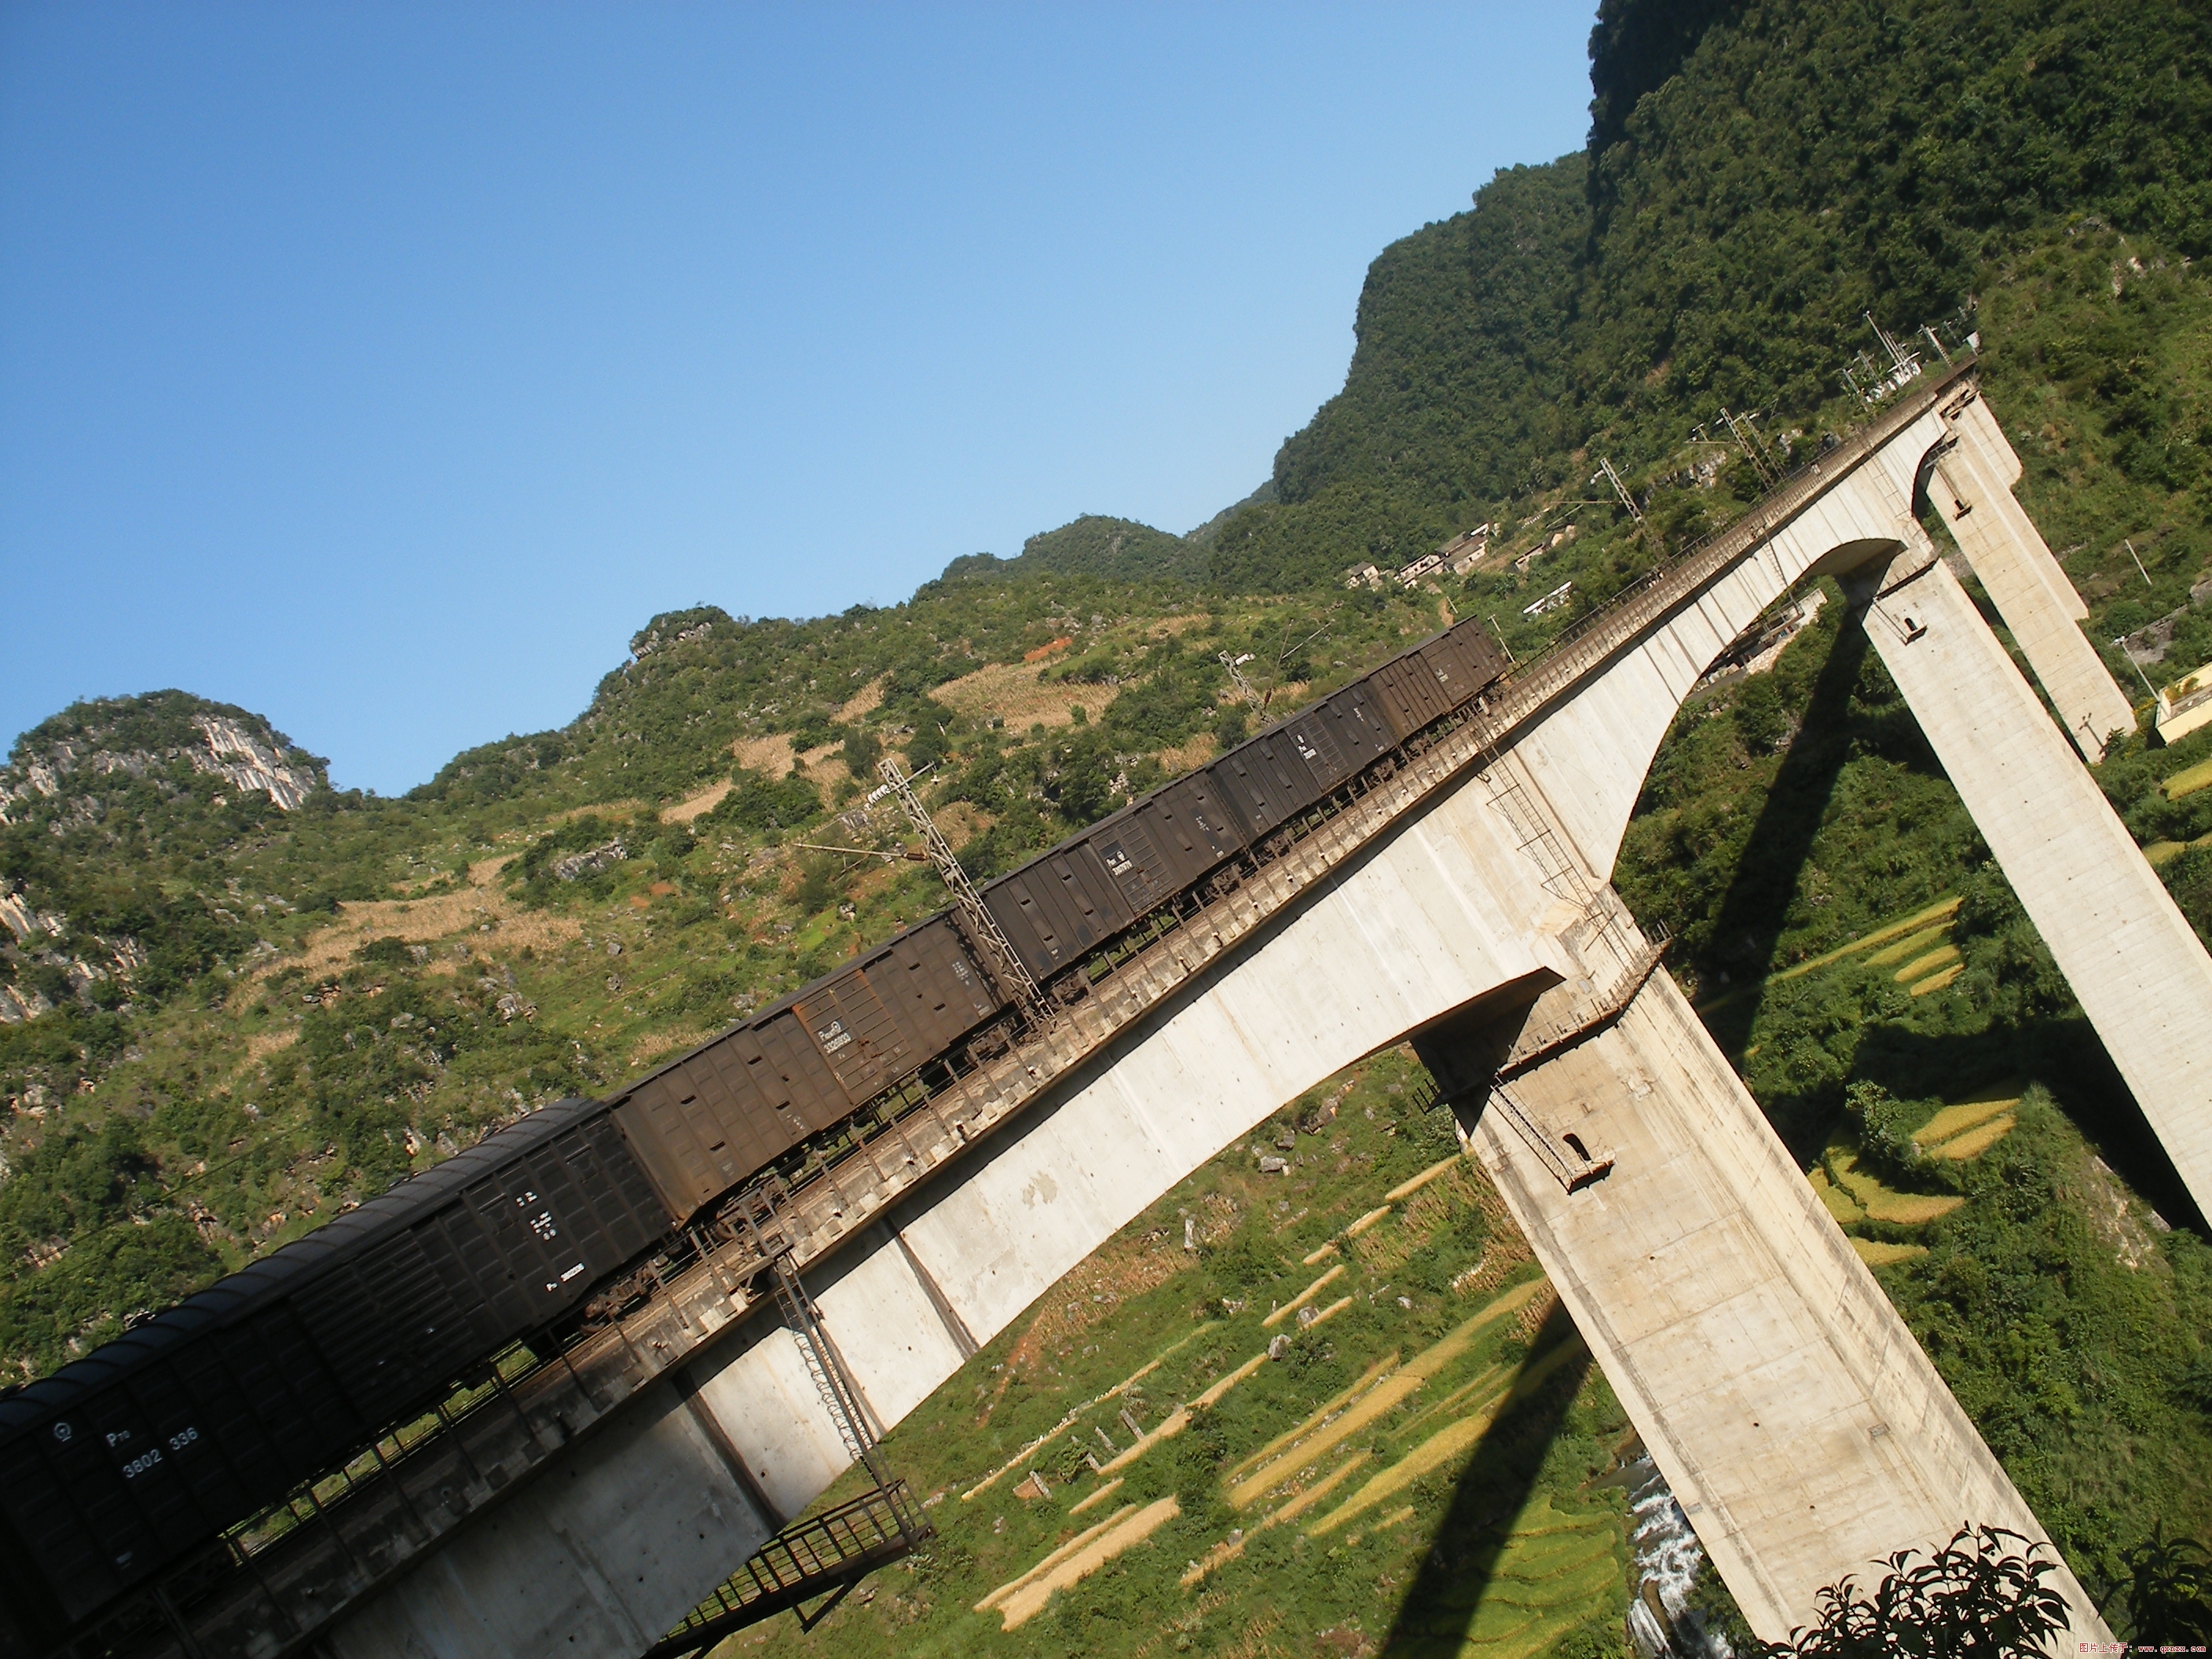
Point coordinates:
[(120, 1463), (1266, 781), (898, 1007), (1143, 865), (702, 1123), (1191, 824), (1354, 720), (1058, 909), (504, 1238), (1408, 694), (1463, 661)]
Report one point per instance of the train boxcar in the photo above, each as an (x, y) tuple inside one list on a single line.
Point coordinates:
[(709, 1119), (1464, 660), (1166, 841), (901, 1006), (125, 1461), (1419, 687), (1192, 826), (705, 1122), (1059, 907), (1267, 780), (1354, 720)]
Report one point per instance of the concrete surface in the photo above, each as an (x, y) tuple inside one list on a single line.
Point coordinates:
[(1970, 487), (1802, 1430), (2131, 958)]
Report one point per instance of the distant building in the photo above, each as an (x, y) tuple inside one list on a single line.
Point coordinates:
[(1551, 601), (1465, 550), (1363, 575), (2186, 705), (1420, 568)]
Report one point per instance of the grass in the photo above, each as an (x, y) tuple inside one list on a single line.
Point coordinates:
[(1957, 1118), (1914, 923), (2188, 781)]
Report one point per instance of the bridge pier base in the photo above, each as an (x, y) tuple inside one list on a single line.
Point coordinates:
[(2129, 955), (1802, 1430)]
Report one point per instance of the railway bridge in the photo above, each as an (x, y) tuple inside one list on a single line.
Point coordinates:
[(1462, 904)]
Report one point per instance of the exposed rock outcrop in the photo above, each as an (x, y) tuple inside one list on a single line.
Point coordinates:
[(135, 737)]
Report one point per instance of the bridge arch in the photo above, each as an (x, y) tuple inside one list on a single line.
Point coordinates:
[(1800, 1424)]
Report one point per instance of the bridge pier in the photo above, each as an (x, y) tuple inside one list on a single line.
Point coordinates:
[(1970, 485), (2129, 955), (1802, 1430)]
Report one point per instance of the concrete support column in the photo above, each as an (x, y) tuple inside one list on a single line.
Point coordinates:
[(1802, 1427), (1970, 487), (2138, 969)]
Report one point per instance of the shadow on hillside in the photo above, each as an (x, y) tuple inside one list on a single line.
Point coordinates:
[(1749, 921), (2062, 1053), (1439, 1606)]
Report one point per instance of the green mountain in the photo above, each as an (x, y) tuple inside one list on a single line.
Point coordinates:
[(1759, 178), (1118, 549)]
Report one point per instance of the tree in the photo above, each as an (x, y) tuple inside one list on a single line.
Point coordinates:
[(2169, 1591), (1985, 1595)]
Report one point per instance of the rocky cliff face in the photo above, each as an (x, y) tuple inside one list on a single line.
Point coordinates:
[(96, 804), (91, 746)]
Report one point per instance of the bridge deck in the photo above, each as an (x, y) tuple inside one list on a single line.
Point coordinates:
[(284, 1593)]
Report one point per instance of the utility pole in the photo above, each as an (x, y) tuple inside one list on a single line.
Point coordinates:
[(1001, 958), (1605, 470), (1903, 365), (2123, 644), (1739, 426), (2137, 557), (1244, 687)]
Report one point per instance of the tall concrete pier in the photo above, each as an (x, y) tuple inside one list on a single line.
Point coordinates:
[(2126, 949), (1463, 904)]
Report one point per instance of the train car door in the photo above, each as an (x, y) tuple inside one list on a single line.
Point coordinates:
[(858, 1039), (1316, 744), (1193, 826), (1126, 847), (1057, 909), (1357, 724), (932, 987)]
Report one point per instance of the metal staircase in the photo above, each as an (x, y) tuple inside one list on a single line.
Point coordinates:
[(824, 1554)]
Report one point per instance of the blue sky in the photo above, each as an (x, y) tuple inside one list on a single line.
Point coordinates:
[(382, 368)]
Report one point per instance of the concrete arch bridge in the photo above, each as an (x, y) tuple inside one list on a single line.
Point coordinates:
[(1464, 904)]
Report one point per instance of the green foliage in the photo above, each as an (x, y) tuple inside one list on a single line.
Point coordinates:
[(1117, 549), (761, 804), (1985, 1595), (2168, 1591), (1758, 177)]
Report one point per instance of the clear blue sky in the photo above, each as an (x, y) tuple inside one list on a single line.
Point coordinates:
[(381, 368)]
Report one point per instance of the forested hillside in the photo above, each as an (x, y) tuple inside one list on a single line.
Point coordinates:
[(1758, 177), (233, 1000)]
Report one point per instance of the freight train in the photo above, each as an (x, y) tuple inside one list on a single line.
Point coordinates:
[(142, 1455)]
